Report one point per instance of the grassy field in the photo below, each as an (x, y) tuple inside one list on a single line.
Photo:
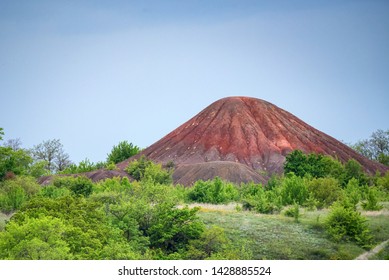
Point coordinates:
[(280, 237)]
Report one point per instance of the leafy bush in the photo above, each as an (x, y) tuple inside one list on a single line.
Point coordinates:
[(294, 212), (12, 200), (325, 191), (354, 170), (36, 238), (372, 200), (63, 228), (16, 162), (171, 229), (353, 193), (215, 191), (14, 192), (345, 223), (383, 182), (79, 185), (293, 190), (145, 169), (256, 197)]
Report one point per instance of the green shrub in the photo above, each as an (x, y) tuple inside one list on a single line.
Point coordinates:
[(294, 212), (346, 224), (12, 200), (353, 193), (293, 190), (325, 191), (137, 168), (145, 169), (215, 191), (79, 185), (14, 192), (372, 200), (383, 182)]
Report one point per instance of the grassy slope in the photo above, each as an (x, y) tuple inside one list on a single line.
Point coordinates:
[(280, 237)]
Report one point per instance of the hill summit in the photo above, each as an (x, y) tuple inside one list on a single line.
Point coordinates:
[(242, 139)]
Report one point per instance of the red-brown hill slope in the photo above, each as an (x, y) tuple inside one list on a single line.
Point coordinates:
[(246, 131)]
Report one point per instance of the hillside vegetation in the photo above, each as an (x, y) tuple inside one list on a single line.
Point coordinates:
[(319, 209)]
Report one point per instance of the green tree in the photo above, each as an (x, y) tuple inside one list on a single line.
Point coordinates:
[(293, 190), (14, 162), (38, 238), (315, 165), (376, 147), (354, 170), (325, 191), (122, 151)]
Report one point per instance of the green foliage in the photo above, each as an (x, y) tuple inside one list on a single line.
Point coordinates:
[(54, 192), (14, 192), (256, 197), (14, 162), (156, 174), (84, 228), (354, 170), (171, 229), (293, 190), (302, 164), (371, 202), (83, 166), (353, 193), (319, 166), (122, 151), (345, 223), (376, 147), (216, 191), (383, 182), (79, 185), (145, 170), (146, 214), (38, 238), (137, 168), (1, 133), (325, 191), (294, 212)]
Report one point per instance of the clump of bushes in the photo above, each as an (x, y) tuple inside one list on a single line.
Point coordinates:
[(14, 192), (145, 169), (79, 186), (215, 191)]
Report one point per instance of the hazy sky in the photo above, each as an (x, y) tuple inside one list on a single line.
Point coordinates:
[(93, 73)]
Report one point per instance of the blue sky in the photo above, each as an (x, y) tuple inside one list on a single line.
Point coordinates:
[(93, 73)]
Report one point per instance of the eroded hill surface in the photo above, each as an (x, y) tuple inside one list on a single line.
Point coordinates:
[(242, 139)]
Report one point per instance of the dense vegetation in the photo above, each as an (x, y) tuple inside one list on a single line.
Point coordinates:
[(318, 197)]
